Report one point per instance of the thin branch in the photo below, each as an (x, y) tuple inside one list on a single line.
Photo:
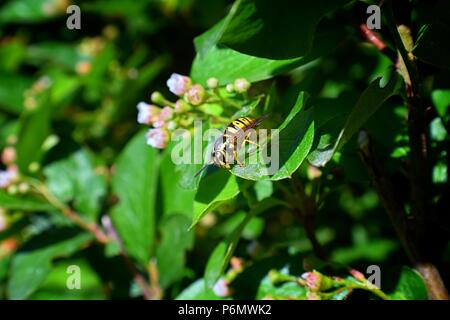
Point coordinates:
[(385, 190), (138, 278), (93, 228), (305, 210), (98, 233)]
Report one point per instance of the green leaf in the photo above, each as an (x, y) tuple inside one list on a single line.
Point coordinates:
[(55, 285), (171, 250), (284, 31), (75, 179), (26, 203), (197, 291), (29, 11), (410, 286), (32, 264), (214, 190), (12, 91), (441, 100), (175, 199), (213, 60), (296, 135), (223, 252), (287, 290), (341, 128), (135, 183), (35, 127), (59, 54)]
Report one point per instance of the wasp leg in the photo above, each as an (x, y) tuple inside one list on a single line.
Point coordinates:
[(236, 157)]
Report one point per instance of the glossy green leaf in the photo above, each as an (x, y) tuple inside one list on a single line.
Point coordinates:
[(19, 202), (175, 199), (135, 183), (441, 100), (12, 91), (33, 263), (410, 286), (27, 11), (284, 31), (214, 190), (223, 252), (35, 127), (341, 128), (171, 250), (213, 60), (55, 285), (197, 291), (67, 180), (287, 290)]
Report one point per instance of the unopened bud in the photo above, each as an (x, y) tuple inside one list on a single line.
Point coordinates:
[(229, 88), (212, 83), (158, 98), (166, 113), (171, 125), (9, 155), (158, 138), (12, 189), (181, 106), (357, 275), (24, 187), (34, 167), (241, 85), (196, 95), (179, 84)]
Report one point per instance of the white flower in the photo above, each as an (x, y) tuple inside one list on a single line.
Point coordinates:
[(146, 112), (178, 84), (158, 138), (7, 177)]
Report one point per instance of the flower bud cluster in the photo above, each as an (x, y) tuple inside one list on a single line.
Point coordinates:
[(165, 116)]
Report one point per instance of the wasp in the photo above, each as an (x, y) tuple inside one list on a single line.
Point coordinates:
[(227, 146)]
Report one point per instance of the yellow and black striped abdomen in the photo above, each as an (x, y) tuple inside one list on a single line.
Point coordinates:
[(240, 124)]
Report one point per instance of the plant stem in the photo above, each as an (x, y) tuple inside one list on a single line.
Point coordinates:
[(305, 210), (95, 229)]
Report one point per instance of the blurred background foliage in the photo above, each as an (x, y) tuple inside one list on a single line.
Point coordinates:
[(68, 108)]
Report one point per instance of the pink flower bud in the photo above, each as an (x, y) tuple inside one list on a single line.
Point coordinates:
[(181, 106), (357, 275), (221, 288), (313, 280), (178, 84), (158, 138), (146, 112), (241, 85), (166, 113), (196, 95), (9, 155)]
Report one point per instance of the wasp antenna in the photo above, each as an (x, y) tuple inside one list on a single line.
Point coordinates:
[(202, 168)]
